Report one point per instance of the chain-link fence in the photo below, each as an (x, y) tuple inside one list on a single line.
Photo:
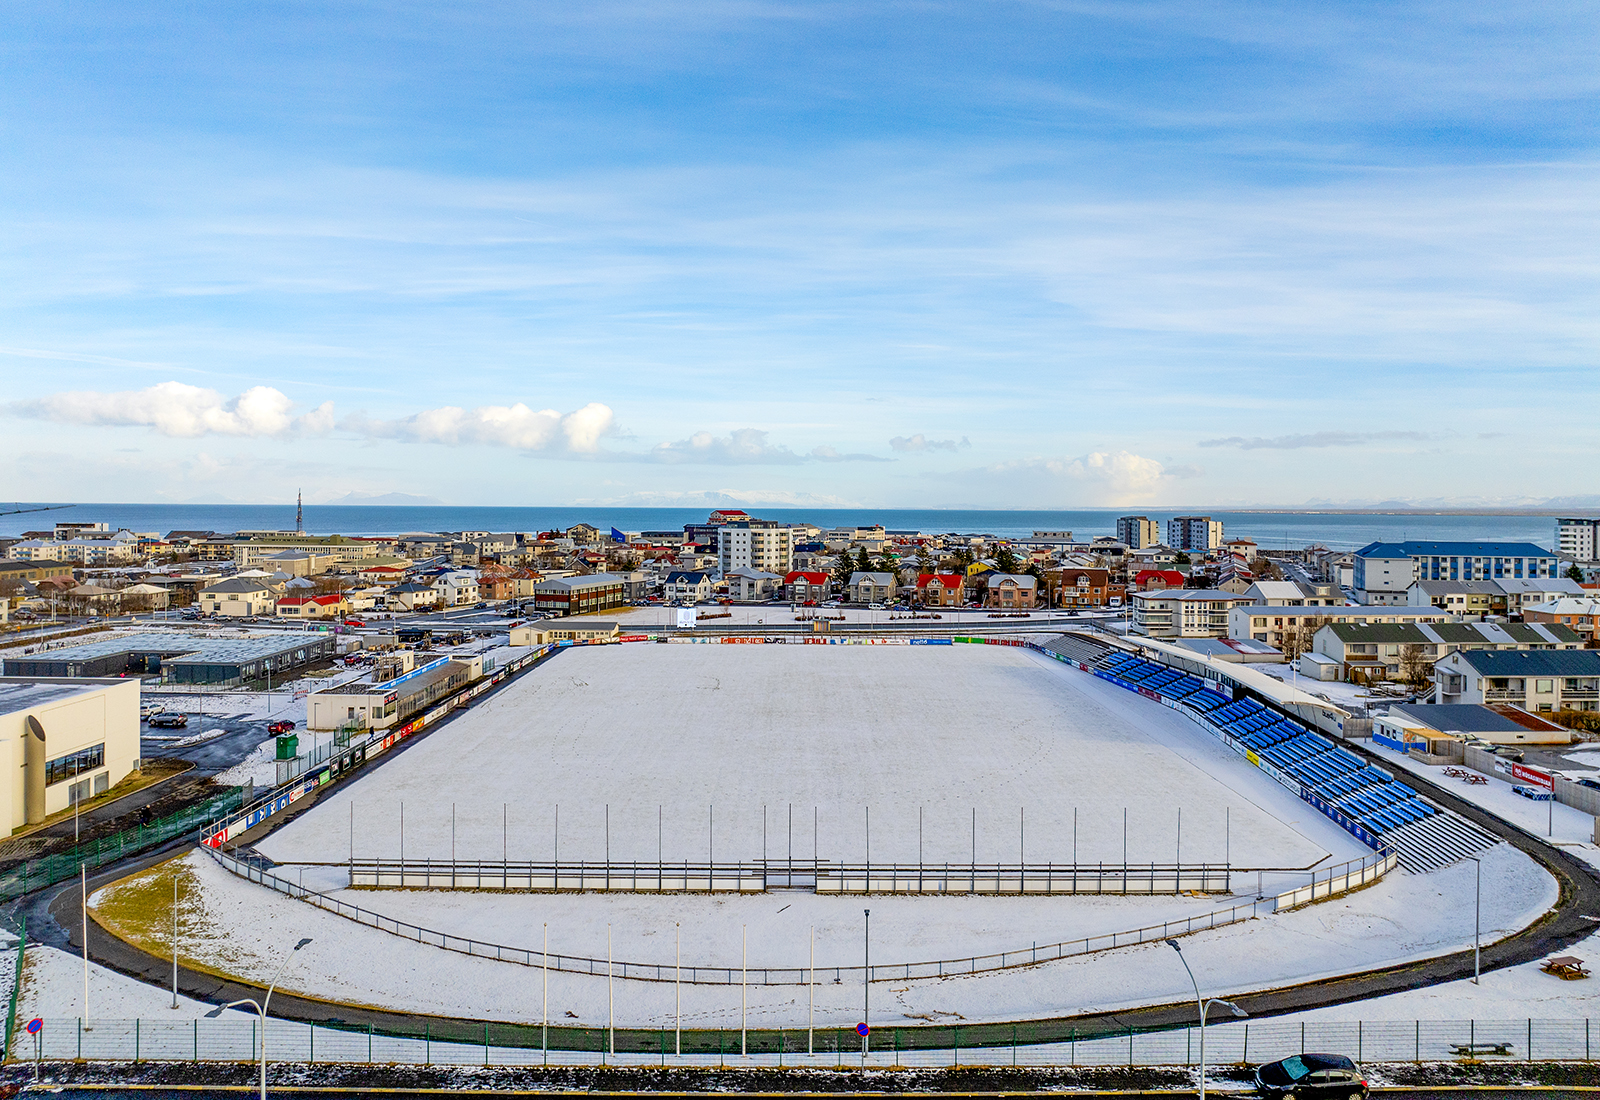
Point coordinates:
[(237, 1037), (33, 874)]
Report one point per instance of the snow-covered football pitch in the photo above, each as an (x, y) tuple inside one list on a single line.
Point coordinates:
[(932, 754)]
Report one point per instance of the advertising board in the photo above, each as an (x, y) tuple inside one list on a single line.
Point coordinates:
[(1533, 775)]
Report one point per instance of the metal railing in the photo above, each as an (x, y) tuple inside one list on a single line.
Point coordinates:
[(824, 877), (726, 975)]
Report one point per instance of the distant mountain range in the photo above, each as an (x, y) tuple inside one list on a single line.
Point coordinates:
[(393, 500)]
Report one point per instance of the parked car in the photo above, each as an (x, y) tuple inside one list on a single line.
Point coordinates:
[(1328, 1075), (1505, 752), (1590, 783), (150, 710), (1535, 794), (354, 622), (282, 725), (169, 721)]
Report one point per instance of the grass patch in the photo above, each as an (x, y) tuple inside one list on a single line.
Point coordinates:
[(138, 910)]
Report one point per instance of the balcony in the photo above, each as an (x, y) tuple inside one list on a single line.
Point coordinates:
[(1504, 695)]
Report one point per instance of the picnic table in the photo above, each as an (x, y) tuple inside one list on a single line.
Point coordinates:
[(1565, 967)]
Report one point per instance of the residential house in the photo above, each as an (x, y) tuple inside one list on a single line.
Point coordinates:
[(330, 606), (1292, 594), (804, 585), (940, 589), (411, 596), (238, 597), (1011, 591), (684, 587), (751, 585), (1184, 612), (1541, 681), (1153, 580), (1474, 598), (1087, 588), (1523, 593), (1378, 651), (1385, 571), (1580, 614), (457, 588), (1152, 557), (872, 588)]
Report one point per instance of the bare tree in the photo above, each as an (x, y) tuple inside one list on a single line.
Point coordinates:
[(1265, 569), (1300, 638), (1416, 666)]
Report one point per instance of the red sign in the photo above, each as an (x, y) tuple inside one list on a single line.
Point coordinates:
[(1534, 776)]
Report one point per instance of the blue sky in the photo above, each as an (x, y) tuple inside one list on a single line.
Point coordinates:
[(994, 254)]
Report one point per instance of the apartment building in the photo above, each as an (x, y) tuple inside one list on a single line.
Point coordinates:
[(1191, 533), (755, 544), (1385, 571), (1271, 624), (1184, 612), (1579, 614), (1578, 538), (1138, 532), (1377, 651), (1541, 681)]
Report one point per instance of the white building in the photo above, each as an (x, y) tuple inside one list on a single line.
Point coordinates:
[(239, 597), (686, 587), (1184, 612), (755, 544), (752, 585), (457, 588), (70, 740), (1578, 539)]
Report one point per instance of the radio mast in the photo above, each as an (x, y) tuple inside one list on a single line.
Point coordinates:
[(299, 514)]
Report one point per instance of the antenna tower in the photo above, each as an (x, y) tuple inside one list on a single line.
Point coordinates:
[(299, 514)]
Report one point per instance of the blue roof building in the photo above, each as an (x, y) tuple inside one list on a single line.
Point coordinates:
[(1385, 570)]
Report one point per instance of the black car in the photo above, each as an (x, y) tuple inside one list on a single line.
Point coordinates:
[(1326, 1075), (169, 721)]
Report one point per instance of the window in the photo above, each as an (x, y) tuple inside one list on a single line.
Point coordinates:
[(1544, 686), (65, 767)]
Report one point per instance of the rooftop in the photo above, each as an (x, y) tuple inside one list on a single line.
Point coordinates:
[(1453, 550), (1532, 662), (23, 692)]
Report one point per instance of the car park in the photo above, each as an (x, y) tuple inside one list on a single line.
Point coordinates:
[(169, 721), (1322, 1075)]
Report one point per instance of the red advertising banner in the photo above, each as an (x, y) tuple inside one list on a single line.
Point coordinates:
[(1534, 776)]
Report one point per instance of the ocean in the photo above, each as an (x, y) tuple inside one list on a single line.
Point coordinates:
[(1272, 530)]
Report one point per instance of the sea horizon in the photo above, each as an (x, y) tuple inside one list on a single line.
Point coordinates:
[(1336, 528)]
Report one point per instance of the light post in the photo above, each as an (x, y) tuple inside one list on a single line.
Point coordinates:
[(261, 1010), (1477, 919), (1204, 1006)]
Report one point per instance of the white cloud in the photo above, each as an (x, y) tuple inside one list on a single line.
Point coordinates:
[(743, 447), (911, 444), (516, 426), (180, 410), (1313, 439), (1113, 476)]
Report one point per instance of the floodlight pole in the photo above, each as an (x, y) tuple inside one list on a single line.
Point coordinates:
[(1477, 920), (1204, 1006)]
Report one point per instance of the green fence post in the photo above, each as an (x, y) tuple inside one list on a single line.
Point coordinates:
[(369, 1044), (486, 1042), (955, 1044), (313, 1051), (427, 1042), (1530, 1038), (135, 1040), (16, 986), (197, 1038), (1013, 1045)]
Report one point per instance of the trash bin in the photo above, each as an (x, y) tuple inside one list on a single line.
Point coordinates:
[(288, 746)]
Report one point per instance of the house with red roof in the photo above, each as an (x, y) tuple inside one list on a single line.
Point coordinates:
[(1154, 580), (330, 606), (803, 586), (940, 589)]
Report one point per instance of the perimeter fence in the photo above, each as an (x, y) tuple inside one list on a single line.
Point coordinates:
[(236, 1038), (25, 875)]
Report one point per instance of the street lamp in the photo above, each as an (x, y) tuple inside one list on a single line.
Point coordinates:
[(1205, 1006), (1477, 919), (261, 1009)]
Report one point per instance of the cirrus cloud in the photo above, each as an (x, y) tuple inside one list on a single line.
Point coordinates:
[(912, 444), (1312, 439)]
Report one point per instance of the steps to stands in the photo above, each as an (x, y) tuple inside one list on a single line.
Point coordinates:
[(1384, 812)]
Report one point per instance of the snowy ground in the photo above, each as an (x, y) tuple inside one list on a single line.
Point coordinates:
[(238, 927), (681, 747), (260, 768)]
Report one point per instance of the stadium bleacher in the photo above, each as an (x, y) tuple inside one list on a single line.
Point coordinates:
[(1337, 776)]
